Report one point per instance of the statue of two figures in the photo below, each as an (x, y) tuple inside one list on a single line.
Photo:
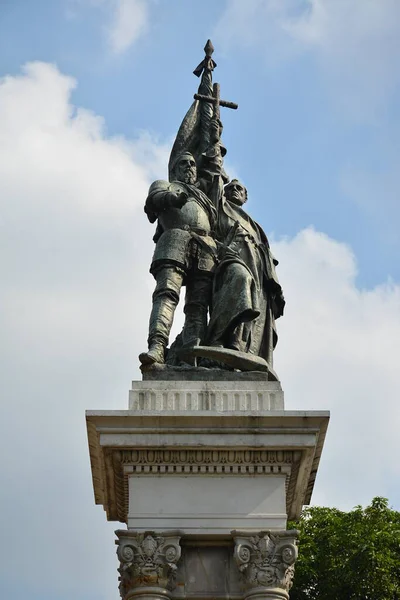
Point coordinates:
[(206, 242)]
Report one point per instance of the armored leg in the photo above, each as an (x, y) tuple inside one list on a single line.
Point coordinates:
[(197, 301), (165, 299)]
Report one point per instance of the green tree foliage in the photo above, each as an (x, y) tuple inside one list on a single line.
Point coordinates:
[(348, 555)]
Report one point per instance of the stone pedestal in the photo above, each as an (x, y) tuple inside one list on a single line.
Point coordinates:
[(205, 475)]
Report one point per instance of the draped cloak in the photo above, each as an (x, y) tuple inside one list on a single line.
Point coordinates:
[(247, 297)]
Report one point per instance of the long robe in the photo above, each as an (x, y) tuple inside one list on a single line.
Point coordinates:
[(247, 297)]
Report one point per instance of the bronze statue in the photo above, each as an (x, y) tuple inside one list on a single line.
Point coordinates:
[(185, 254), (206, 242), (247, 297)]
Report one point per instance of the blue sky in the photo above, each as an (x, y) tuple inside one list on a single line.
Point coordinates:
[(298, 140), (91, 95)]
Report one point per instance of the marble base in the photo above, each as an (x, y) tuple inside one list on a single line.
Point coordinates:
[(205, 475), (204, 457), (207, 504), (219, 396)]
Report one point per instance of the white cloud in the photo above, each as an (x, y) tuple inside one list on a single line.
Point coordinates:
[(126, 21), (75, 298), (338, 350), (354, 43), (129, 21)]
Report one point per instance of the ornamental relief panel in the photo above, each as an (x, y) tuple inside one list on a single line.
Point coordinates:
[(147, 560), (266, 560)]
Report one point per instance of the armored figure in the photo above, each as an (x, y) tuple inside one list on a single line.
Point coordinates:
[(185, 253)]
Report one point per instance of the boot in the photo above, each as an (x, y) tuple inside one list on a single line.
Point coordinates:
[(155, 353), (161, 318)]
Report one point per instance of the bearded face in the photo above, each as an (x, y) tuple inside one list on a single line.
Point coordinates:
[(185, 169)]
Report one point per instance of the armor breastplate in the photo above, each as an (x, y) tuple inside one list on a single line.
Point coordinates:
[(191, 215)]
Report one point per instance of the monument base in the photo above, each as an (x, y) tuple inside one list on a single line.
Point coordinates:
[(205, 457), (205, 475)]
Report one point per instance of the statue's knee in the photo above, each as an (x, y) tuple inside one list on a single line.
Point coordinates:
[(168, 285), (167, 294)]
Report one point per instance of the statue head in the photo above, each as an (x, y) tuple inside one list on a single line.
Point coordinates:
[(235, 192), (185, 169)]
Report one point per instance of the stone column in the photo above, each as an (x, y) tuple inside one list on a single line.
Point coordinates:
[(148, 563), (266, 563)]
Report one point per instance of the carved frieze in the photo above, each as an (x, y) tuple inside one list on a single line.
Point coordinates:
[(253, 461), (266, 559), (190, 461), (147, 560)]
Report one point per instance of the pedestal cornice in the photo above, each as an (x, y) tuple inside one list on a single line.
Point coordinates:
[(203, 444)]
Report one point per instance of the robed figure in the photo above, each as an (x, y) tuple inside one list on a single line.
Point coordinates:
[(247, 297)]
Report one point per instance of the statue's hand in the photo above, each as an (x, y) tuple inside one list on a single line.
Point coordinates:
[(177, 200)]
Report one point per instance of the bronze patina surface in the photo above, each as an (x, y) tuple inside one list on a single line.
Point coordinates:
[(207, 243)]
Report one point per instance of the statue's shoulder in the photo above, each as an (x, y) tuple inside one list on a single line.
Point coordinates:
[(160, 185), (178, 186)]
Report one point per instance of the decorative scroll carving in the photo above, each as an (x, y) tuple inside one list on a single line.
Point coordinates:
[(147, 560), (266, 560)]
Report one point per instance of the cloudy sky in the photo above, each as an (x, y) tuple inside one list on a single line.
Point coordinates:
[(91, 95)]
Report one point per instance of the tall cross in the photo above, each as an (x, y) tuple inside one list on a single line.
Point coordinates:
[(215, 99)]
